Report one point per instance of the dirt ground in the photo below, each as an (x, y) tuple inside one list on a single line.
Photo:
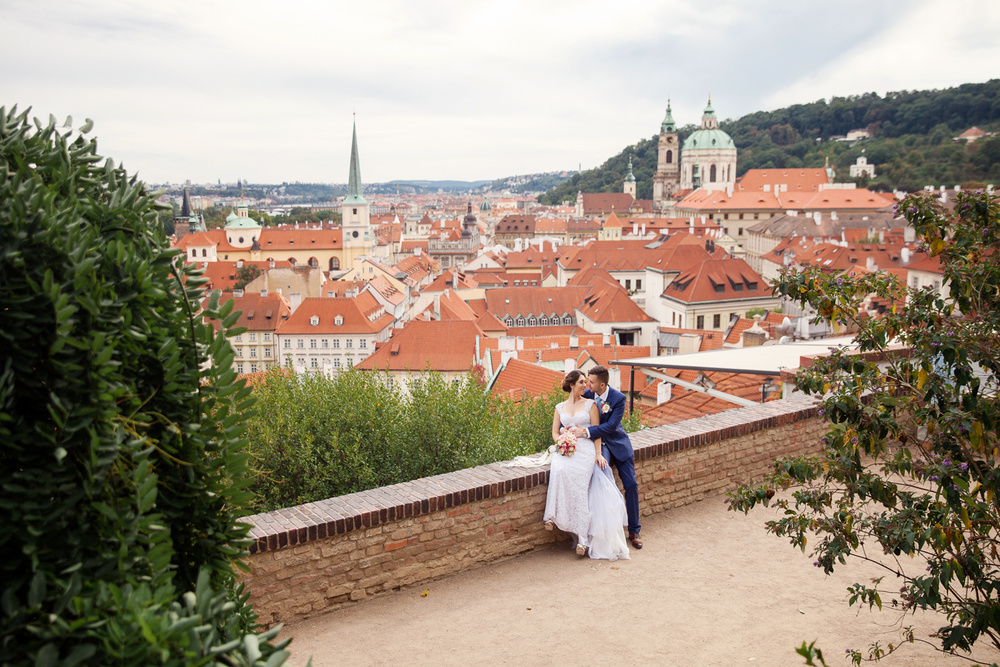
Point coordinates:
[(710, 587)]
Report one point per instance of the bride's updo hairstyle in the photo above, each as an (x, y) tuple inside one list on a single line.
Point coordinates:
[(570, 380)]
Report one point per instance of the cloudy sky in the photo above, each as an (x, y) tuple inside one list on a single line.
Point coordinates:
[(265, 91)]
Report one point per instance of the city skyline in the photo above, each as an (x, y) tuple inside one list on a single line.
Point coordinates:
[(212, 91)]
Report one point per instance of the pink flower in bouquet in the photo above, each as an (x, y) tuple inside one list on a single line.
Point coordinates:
[(566, 444)]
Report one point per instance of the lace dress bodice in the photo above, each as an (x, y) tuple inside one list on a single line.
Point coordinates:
[(580, 418)]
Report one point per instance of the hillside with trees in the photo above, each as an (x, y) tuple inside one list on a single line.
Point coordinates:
[(912, 145)]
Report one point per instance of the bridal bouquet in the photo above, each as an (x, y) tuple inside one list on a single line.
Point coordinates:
[(566, 444)]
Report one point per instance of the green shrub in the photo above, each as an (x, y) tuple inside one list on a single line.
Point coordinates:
[(120, 421)]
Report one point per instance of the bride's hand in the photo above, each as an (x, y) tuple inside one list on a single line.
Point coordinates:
[(602, 462)]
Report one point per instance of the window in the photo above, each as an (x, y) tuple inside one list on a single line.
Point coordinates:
[(288, 362), (253, 368), (740, 233), (544, 321), (288, 344), (915, 282), (517, 283), (509, 321), (568, 319), (701, 322), (350, 362), (628, 283), (239, 368), (312, 343), (314, 362), (336, 362), (720, 288), (204, 252), (325, 343), (267, 352), (267, 338), (253, 353), (364, 343), (336, 342), (716, 321), (239, 352), (937, 285), (520, 321), (349, 342), (638, 283), (752, 285), (253, 338), (300, 343), (239, 339), (532, 321)]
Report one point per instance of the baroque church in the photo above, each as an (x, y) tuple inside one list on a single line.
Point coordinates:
[(707, 160)]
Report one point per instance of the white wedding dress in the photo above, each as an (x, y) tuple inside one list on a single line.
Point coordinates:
[(583, 499)]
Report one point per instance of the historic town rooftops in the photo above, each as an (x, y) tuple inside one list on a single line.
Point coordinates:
[(807, 225), (259, 313), (519, 379), (443, 346), (717, 280), (603, 203), (793, 180), (360, 315), (672, 253)]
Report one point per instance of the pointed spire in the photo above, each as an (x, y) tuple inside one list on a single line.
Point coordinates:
[(630, 177), (354, 186), (668, 124), (186, 205)]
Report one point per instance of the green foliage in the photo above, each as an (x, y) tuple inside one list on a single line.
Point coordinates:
[(610, 176), (120, 457), (909, 475), (245, 275), (313, 437), (300, 214)]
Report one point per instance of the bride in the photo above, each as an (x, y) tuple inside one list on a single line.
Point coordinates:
[(582, 496)]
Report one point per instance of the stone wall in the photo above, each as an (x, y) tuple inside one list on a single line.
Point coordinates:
[(312, 558)]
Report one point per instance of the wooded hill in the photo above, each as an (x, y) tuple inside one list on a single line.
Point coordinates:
[(913, 142)]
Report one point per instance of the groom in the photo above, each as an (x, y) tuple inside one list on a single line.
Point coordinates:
[(615, 445)]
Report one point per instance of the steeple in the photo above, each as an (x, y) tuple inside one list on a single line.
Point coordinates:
[(668, 124), (630, 177), (354, 186), (186, 205), (708, 119)]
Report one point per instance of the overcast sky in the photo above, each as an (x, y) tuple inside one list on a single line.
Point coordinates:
[(265, 91)]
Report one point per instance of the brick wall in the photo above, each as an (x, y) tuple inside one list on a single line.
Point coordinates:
[(313, 558)]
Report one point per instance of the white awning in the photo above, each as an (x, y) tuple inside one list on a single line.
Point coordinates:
[(760, 360)]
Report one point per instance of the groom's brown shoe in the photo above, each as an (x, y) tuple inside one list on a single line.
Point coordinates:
[(635, 540)]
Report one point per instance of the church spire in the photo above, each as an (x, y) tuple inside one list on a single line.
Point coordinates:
[(668, 124), (354, 187), (630, 177)]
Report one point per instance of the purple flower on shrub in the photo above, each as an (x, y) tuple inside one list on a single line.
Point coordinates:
[(821, 410), (946, 463), (854, 440), (840, 281), (934, 478), (964, 466)]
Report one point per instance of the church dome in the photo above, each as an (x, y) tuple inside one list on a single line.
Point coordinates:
[(709, 136), (485, 206)]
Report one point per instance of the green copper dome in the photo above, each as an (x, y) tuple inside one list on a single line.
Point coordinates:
[(630, 177), (485, 206), (668, 124), (708, 139)]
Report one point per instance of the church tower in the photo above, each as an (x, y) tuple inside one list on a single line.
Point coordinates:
[(355, 211), (666, 180), (630, 180)]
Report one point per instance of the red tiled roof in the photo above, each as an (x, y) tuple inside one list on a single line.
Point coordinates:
[(603, 203), (710, 340), (360, 315), (797, 180), (267, 313), (717, 280), (519, 379), (448, 346)]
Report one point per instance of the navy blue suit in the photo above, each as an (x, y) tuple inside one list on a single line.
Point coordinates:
[(617, 449)]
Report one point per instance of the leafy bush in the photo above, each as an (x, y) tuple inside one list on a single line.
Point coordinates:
[(118, 486), (910, 476), (313, 437)]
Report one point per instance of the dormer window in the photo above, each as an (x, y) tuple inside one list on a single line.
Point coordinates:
[(338, 321), (314, 321)]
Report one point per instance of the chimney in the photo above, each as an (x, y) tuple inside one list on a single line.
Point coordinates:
[(755, 335), (454, 279), (271, 264), (870, 263), (437, 306), (574, 342), (520, 342), (833, 215), (569, 365), (635, 228), (904, 254), (263, 293), (615, 377), (294, 301), (239, 264), (237, 294), (644, 229), (330, 294), (606, 339), (663, 392)]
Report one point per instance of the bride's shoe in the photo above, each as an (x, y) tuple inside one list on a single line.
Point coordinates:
[(549, 525), (581, 550)]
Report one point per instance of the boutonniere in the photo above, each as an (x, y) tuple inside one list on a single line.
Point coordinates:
[(605, 408)]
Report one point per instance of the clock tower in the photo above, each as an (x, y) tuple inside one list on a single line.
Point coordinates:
[(666, 180)]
